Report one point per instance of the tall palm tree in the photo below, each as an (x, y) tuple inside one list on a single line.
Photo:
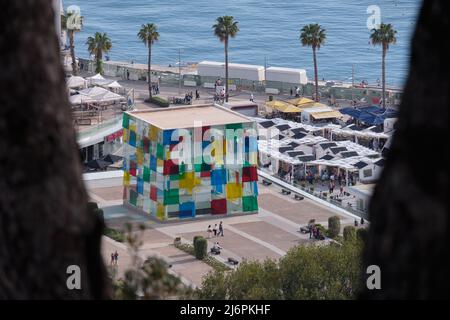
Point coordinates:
[(384, 36), (225, 28), (71, 22), (149, 34), (313, 35), (97, 45)]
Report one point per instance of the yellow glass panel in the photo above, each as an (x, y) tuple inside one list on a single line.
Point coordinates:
[(234, 191)]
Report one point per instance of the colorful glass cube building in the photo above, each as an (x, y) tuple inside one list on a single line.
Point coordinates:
[(187, 162)]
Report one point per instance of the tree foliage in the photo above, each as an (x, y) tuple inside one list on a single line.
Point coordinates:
[(306, 272)]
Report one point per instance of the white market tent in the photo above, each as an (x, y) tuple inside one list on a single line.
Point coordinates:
[(76, 82), (95, 94), (114, 85), (80, 99), (98, 76)]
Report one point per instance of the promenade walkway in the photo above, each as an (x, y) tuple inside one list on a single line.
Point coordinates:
[(268, 234)]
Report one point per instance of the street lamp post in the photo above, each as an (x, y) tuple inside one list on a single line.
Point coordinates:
[(179, 71)]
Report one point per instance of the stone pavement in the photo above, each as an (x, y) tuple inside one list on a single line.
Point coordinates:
[(268, 234)]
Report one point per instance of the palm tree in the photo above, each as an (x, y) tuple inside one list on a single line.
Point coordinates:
[(313, 35), (384, 36), (72, 23), (149, 34), (97, 45), (225, 28)]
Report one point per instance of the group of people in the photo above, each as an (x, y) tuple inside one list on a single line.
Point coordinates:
[(114, 258), (220, 97), (314, 232), (216, 248), (216, 231), (295, 90), (155, 88), (189, 97)]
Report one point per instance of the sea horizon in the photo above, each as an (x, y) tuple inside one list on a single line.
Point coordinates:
[(269, 34)]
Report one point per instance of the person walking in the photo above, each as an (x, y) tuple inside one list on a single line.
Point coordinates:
[(215, 230), (252, 98), (116, 258), (197, 95), (209, 232), (220, 229), (292, 92), (112, 258)]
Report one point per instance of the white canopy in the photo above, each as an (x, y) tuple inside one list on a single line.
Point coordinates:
[(98, 76), (114, 85), (80, 99), (95, 94), (75, 82)]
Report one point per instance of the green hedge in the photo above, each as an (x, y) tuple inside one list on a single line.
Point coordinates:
[(114, 234), (349, 233), (159, 102), (200, 247), (334, 226)]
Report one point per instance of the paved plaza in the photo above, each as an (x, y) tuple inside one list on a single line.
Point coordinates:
[(268, 234)]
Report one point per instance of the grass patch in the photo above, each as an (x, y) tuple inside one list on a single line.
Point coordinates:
[(114, 234), (216, 265), (159, 102)]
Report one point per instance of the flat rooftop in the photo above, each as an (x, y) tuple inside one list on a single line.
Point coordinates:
[(188, 117)]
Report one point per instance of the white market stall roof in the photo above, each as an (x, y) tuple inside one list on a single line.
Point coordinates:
[(361, 150), (95, 94), (365, 133), (114, 85), (297, 125), (347, 164), (98, 76), (75, 82)]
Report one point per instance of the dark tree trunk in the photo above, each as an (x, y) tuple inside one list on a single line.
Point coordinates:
[(409, 235), (383, 76), (226, 69), (316, 74), (72, 52), (150, 70), (44, 224)]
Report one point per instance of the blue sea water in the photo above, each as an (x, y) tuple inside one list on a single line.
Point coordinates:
[(268, 29)]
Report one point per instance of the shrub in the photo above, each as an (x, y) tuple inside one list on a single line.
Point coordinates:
[(195, 239), (322, 230), (362, 234), (159, 102), (334, 226), (200, 247), (91, 206), (114, 234), (349, 233)]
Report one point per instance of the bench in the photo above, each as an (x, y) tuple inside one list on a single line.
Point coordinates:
[(233, 261), (266, 182), (298, 197), (285, 191)]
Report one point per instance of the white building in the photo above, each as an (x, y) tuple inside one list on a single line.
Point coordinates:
[(235, 70), (289, 75)]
